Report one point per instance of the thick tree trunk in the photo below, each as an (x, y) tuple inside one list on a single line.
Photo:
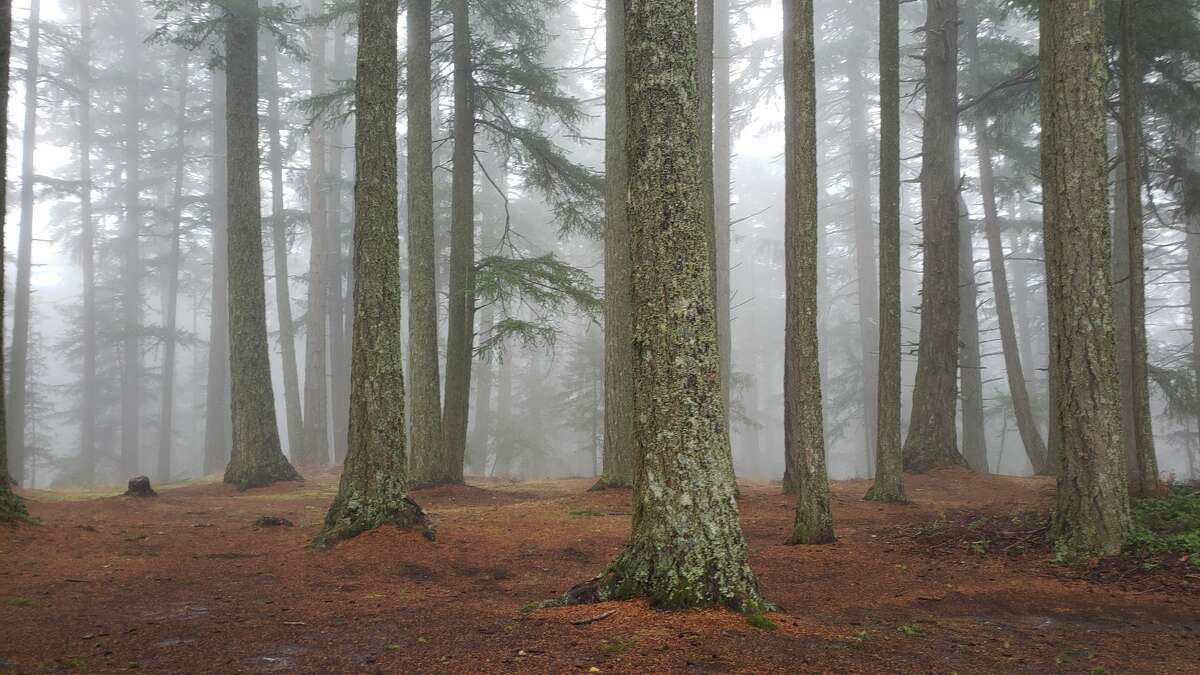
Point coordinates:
[(803, 427), (686, 547), (617, 468), (889, 476), (460, 330), (217, 414), (19, 383), (1092, 513), (1142, 465), (87, 252), (970, 363), (256, 459), (374, 484), (315, 449), (425, 387), (166, 426), (932, 436), (279, 246)]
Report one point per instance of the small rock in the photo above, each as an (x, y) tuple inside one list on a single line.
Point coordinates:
[(272, 521), (139, 486)]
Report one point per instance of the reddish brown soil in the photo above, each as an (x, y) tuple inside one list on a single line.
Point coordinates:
[(185, 583)]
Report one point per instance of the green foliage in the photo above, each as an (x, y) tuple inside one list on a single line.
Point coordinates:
[(1167, 524), (760, 620), (912, 630), (544, 285)]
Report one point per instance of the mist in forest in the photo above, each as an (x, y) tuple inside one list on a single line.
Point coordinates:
[(117, 340)]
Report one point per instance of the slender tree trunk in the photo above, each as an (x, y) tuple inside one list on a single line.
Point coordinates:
[(803, 427), (970, 363), (1092, 513), (1142, 464), (374, 484), (1192, 245), (218, 424), (315, 449), (686, 546), (482, 431), (502, 465), (722, 185), (1031, 438), (618, 330), (460, 331), (256, 459), (279, 246), (166, 425), (131, 261), (10, 504), (339, 318), (932, 436), (422, 254), (87, 250), (19, 384), (889, 476)]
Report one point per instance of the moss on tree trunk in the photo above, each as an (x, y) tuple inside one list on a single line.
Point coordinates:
[(374, 484)]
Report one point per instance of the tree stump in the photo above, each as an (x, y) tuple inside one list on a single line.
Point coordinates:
[(139, 486)]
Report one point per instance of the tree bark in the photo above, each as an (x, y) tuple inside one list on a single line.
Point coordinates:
[(1092, 512), (279, 249), (686, 547), (422, 254), (256, 459), (617, 468), (722, 185), (460, 330), (932, 436), (889, 462), (970, 363), (19, 384), (804, 431), (374, 484), (1141, 464)]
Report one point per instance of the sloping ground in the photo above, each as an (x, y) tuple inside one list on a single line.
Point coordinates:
[(186, 583)]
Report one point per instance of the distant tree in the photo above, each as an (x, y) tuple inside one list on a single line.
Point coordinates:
[(582, 403), (374, 486), (1092, 512)]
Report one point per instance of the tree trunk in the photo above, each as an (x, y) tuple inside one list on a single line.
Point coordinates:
[(722, 185), (502, 465), (1142, 465), (804, 431), (87, 251), (339, 318), (19, 384), (932, 437), (315, 449), (256, 458), (374, 485), (686, 547), (166, 427), (1031, 438), (422, 254), (217, 416), (974, 440), (618, 462), (279, 246), (131, 261), (1092, 513), (460, 331), (889, 462)]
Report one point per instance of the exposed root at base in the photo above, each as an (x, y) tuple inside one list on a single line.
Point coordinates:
[(409, 516)]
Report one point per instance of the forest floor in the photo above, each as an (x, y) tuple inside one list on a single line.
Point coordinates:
[(186, 583)]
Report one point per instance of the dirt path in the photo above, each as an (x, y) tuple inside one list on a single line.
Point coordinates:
[(186, 583)]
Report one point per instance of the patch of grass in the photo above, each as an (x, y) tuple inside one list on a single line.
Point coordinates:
[(19, 601), (530, 606), (760, 620), (912, 630), (1167, 524), (617, 646)]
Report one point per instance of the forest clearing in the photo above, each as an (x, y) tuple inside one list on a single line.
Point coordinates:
[(187, 583)]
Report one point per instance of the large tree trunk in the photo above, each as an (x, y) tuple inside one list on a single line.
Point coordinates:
[(686, 546), (1031, 438), (1092, 513), (19, 384), (279, 246), (374, 484), (425, 387), (1141, 463), (617, 468), (166, 426), (932, 436), (803, 427), (256, 459), (10, 504), (87, 252), (315, 449), (217, 414), (889, 476), (460, 331), (974, 440)]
